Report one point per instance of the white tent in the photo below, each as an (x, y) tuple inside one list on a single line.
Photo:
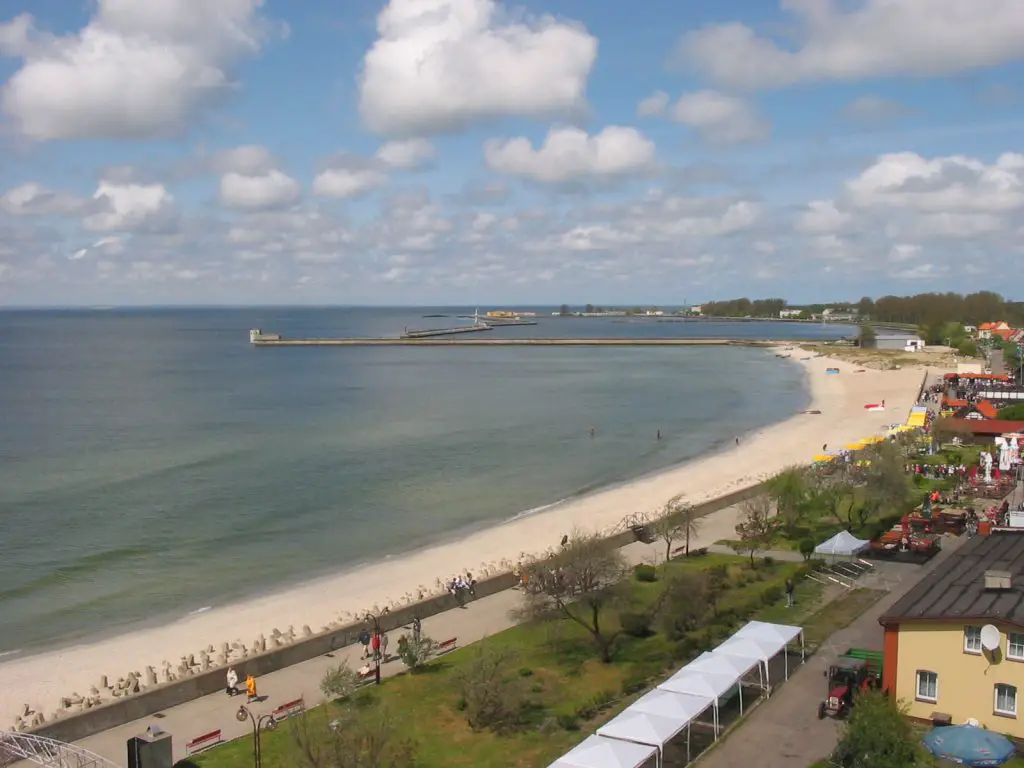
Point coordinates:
[(751, 647), (704, 684), (669, 704), (645, 728), (742, 661), (599, 752), (843, 543), (767, 635)]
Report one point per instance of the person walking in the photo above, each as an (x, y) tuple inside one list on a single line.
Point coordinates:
[(250, 689), (384, 647), (364, 640), (790, 589), (417, 629), (375, 645), (232, 681)]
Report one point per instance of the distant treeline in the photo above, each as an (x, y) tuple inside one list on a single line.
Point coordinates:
[(933, 310), (744, 308)]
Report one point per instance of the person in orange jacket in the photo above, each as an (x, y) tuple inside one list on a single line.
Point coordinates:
[(250, 687)]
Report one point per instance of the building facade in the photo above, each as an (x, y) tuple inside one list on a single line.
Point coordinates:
[(898, 343), (954, 644)]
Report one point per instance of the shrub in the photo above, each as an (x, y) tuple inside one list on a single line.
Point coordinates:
[(525, 672), (807, 548), (595, 704), (645, 573), (772, 595), (568, 722), (635, 624), (769, 562), (340, 682), (494, 698), (415, 653)]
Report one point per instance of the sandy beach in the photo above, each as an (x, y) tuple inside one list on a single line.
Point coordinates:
[(42, 679)]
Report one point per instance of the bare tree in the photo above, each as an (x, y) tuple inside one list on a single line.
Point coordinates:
[(356, 737), (684, 601), (755, 527), (578, 583), (676, 520), (491, 692)]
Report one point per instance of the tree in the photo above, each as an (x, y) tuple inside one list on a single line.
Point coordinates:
[(676, 520), (492, 694), (340, 682), (833, 493), (755, 527), (578, 583), (1012, 412), (867, 335), (415, 653), (789, 491), (364, 736), (886, 488), (683, 603), (564, 310), (878, 735)]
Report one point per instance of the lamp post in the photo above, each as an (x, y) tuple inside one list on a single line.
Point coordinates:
[(375, 620), (264, 722)]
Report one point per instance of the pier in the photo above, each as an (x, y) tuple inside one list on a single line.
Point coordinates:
[(430, 333), (258, 339)]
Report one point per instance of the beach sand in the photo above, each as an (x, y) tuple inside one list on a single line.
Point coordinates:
[(41, 680)]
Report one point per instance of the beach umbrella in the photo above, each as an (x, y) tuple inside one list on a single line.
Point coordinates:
[(854, 446), (824, 457), (969, 745)]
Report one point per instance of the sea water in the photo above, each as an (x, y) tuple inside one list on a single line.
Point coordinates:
[(153, 463)]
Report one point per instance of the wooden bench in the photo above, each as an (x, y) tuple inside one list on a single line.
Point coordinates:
[(207, 740), (447, 646), (288, 709)]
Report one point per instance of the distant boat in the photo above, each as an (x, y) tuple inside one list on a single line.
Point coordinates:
[(436, 315)]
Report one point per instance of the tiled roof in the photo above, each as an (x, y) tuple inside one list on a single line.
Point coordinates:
[(982, 426), (957, 590)]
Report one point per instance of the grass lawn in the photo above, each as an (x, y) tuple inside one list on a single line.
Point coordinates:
[(838, 614), (559, 666)]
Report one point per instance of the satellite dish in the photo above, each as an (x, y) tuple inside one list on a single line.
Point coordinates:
[(990, 637)]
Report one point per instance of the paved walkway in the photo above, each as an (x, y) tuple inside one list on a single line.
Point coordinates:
[(784, 730)]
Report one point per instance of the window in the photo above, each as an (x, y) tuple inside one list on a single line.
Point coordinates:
[(927, 686), (1015, 646), (972, 639), (1006, 700)]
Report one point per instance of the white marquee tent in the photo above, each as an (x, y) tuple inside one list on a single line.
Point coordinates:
[(705, 684), (843, 544), (645, 728), (599, 752), (739, 662), (668, 704)]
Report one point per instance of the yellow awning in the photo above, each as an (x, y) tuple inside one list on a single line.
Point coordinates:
[(824, 457)]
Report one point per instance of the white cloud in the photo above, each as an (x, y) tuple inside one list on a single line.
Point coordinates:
[(654, 105), (272, 189), (406, 155), (720, 118), (822, 217), (32, 199), (438, 65), (347, 182), (136, 71), (904, 252), (954, 184), (569, 154), (248, 160), (876, 38), (130, 207)]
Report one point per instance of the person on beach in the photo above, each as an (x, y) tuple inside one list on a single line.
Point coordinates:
[(384, 647), (232, 681), (417, 629), (659, 434), (250, 689), (364, 640), (737, 441), (790, 588), (593, 431)]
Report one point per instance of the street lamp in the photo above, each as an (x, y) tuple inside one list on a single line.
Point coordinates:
[(259, 722)]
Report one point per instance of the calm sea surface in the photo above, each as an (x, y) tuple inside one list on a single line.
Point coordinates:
[(152, 463)]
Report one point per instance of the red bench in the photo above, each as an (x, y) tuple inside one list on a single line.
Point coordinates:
[(447, 646), (207, 740), (288, 709)]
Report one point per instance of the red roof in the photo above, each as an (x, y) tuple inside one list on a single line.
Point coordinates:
[(954, 403), (993, 376), (986, 409)]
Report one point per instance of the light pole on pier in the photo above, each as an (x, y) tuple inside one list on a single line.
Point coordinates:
[(259, 722)]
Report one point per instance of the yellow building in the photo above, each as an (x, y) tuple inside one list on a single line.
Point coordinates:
[(954, 644)]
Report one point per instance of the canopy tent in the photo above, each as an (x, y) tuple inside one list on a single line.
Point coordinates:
[(669, 704), (599, 752), (645, 728), (707, 684), (778, 636), (843, 544), (741, 661), (751, 648)]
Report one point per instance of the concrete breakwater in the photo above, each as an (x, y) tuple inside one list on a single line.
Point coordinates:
[(492, 342), (136, 696)]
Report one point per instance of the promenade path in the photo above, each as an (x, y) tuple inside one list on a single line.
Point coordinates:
[(477, 620), (784, 731)]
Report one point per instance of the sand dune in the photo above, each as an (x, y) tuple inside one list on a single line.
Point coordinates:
[(42, 679)]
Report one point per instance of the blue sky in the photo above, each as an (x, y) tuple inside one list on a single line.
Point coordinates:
[(477, 152)]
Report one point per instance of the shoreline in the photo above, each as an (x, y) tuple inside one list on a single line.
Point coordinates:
[(42, 677)]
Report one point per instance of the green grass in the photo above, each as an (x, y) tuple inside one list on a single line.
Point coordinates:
[(565, 677), (838, 614)]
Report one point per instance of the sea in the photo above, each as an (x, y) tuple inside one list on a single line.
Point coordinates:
[(153, 463)]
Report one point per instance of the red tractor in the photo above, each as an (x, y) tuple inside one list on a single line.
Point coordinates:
[(846, 677)]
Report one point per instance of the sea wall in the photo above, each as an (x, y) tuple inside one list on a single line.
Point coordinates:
[(160, 697)]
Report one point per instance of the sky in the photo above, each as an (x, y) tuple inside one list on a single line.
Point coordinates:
[(477, 152)]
